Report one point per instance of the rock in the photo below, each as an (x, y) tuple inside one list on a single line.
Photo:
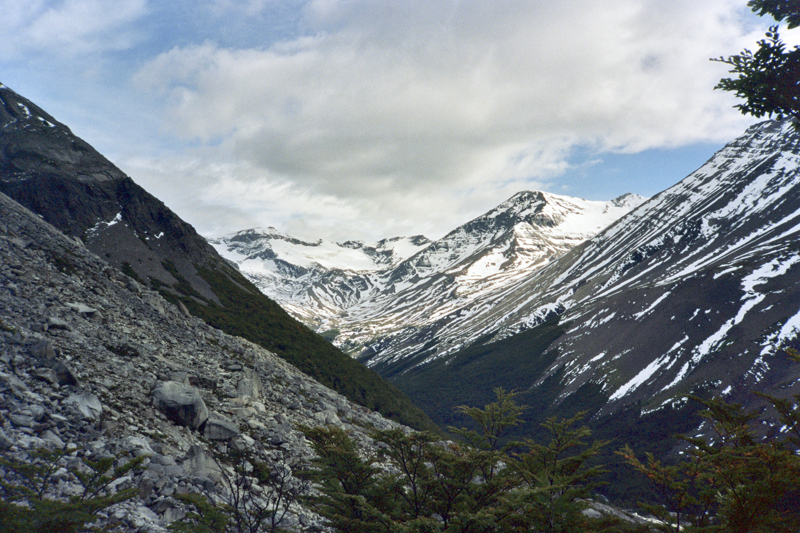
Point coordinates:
[(81, 309), (181, 403), (64, 373), (201, 464), (57, 323), (250, 385), (87, 404), (43, 350), (46, 374), (218, 428), (183, 309), (13, 382)]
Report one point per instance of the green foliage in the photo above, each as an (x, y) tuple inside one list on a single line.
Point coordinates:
[(493, 421), (27, 505), (769, 78), (556, 478), (203, 516), (779, 10), (735, 481), (415, 483)]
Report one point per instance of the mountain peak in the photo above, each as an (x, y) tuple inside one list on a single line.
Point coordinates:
[(628, 200), (17, 109)]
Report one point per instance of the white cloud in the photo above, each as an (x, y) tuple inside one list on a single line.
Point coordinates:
[(395, 112), (68, 27), (385, 99)]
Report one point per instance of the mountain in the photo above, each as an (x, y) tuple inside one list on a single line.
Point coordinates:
[(315, 281), (378, 301), (695, 290), (100, 366), (47, 169)]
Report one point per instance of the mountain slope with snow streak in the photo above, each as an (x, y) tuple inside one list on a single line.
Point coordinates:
[(696, 289), (365, 292)]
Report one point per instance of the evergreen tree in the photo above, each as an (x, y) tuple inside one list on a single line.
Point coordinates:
[(769, 78), (736, 481)]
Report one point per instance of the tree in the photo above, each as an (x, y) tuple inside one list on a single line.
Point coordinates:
[(736, 480), (26, 502), (415, 483), (769, 78), (556, 477)]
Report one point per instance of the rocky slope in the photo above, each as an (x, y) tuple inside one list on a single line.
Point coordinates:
[(49, 170), (379, 297), (91, 359)]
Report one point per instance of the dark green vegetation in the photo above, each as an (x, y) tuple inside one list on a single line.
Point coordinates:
[(465, 378), (732, 482), (246, 312), (517, 363), (769, 78), (26, 504), (416, 483), (737, 482)]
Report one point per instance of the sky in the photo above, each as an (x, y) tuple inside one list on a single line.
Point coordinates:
[(366, 119)]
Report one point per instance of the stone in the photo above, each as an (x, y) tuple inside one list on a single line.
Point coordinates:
[(218, 428), (250, 385), (43, 350), (181, 403), (87, 404), (46, 374), (81, 308), (57, 323), (201, 464)]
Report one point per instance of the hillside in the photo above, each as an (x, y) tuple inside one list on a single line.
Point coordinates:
[(49, 170)]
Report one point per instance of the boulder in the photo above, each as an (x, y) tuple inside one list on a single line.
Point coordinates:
[(218, 428), (87, 404), (250, 385), (200, 463), (181, 403)]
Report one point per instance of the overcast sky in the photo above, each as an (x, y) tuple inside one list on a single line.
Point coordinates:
[(368, 119)]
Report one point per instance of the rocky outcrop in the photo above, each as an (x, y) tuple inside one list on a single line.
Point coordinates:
[(104, 382)]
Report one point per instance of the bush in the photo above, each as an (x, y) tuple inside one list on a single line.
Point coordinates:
[(29, 506)]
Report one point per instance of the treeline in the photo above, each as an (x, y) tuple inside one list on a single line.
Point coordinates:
[(734, 482)]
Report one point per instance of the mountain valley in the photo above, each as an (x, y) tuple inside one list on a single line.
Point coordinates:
[(112, 309)]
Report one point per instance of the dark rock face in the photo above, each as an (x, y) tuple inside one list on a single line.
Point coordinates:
[(52, 172)]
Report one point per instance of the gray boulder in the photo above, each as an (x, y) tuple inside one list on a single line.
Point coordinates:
[(181, 403), (218, 428), (87, 404), (250, 385)]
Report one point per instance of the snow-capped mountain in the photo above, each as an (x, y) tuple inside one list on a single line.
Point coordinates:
[(366, 292), (698, 288), (636, 301), (315, 281)]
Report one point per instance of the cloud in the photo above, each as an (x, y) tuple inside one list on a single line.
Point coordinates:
[(411, 110), (68, 28)]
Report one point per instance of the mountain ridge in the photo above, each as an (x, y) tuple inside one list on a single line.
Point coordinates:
[(50, 171), (506, 242)]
